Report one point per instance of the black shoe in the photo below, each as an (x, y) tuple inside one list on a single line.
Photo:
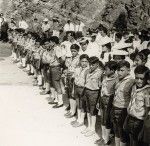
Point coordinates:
[(30, 74), (68, 108), (44, 92), (108, 143), (58, 106), (52, 102)]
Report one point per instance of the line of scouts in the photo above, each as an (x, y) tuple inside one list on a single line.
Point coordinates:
[(101, 76)]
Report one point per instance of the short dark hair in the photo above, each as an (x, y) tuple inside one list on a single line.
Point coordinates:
[(93, 60), (123, 63), (147, 75), (46, 40), (142, 56), (84, 56), (119, 35), (75, 47), (141, 69), (54, 39), (112, 65), (148, 44), (104, 29), (108, 46)]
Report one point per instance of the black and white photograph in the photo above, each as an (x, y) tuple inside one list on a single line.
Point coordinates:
[(74, 72)]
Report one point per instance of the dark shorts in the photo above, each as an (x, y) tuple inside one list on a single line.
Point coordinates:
[(69, 87), (36, 64), (46, 73), (118, 116), (133, 126), (90, 98), (106, 107), (78, 95), (146, 133), (55, 76)]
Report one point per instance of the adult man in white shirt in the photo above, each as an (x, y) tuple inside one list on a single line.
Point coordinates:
[(79, 28), (67, 44), (69, 26), (93, 48), (103, 38)]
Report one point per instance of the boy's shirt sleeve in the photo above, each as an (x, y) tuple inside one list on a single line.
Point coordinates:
[(128, 88), (100, 78), (147, 98)]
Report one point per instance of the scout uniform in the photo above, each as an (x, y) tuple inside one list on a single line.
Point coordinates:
[(45, 72), (91, 92), (71, 64), (79, 82), (107, 92), (120, 104), (136, 111), (56, 72)]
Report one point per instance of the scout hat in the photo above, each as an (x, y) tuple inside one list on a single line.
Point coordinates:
[(119, 53)]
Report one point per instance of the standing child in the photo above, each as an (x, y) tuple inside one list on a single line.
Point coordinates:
[(72, 63), (106, 99), (92, 88), (146, 128), (137, 106), (79, 81), (121, 101)]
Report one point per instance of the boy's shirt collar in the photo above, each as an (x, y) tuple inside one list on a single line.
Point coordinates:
[(93, 72), (126, 78), (75, 57), (114, 76), (141, 89)]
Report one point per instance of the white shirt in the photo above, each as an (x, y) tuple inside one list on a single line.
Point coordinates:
[(23, 24), (67, 50), (45, 27), (79, 27), (98, 37), (93, 49), (148, 62), (69, 27)]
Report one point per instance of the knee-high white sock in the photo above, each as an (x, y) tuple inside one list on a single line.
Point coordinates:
[(56, 96), (107, 135), (82, 117), (62, 87), (60, 99), (79, 115), (52, 95), (32, 69), (74, 106), (15, 56), (39, 80), (89, 120), (71, 106), (103, 132), (47, 86), (23, 62), (117, 141), (28, 67), (93, 123)]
